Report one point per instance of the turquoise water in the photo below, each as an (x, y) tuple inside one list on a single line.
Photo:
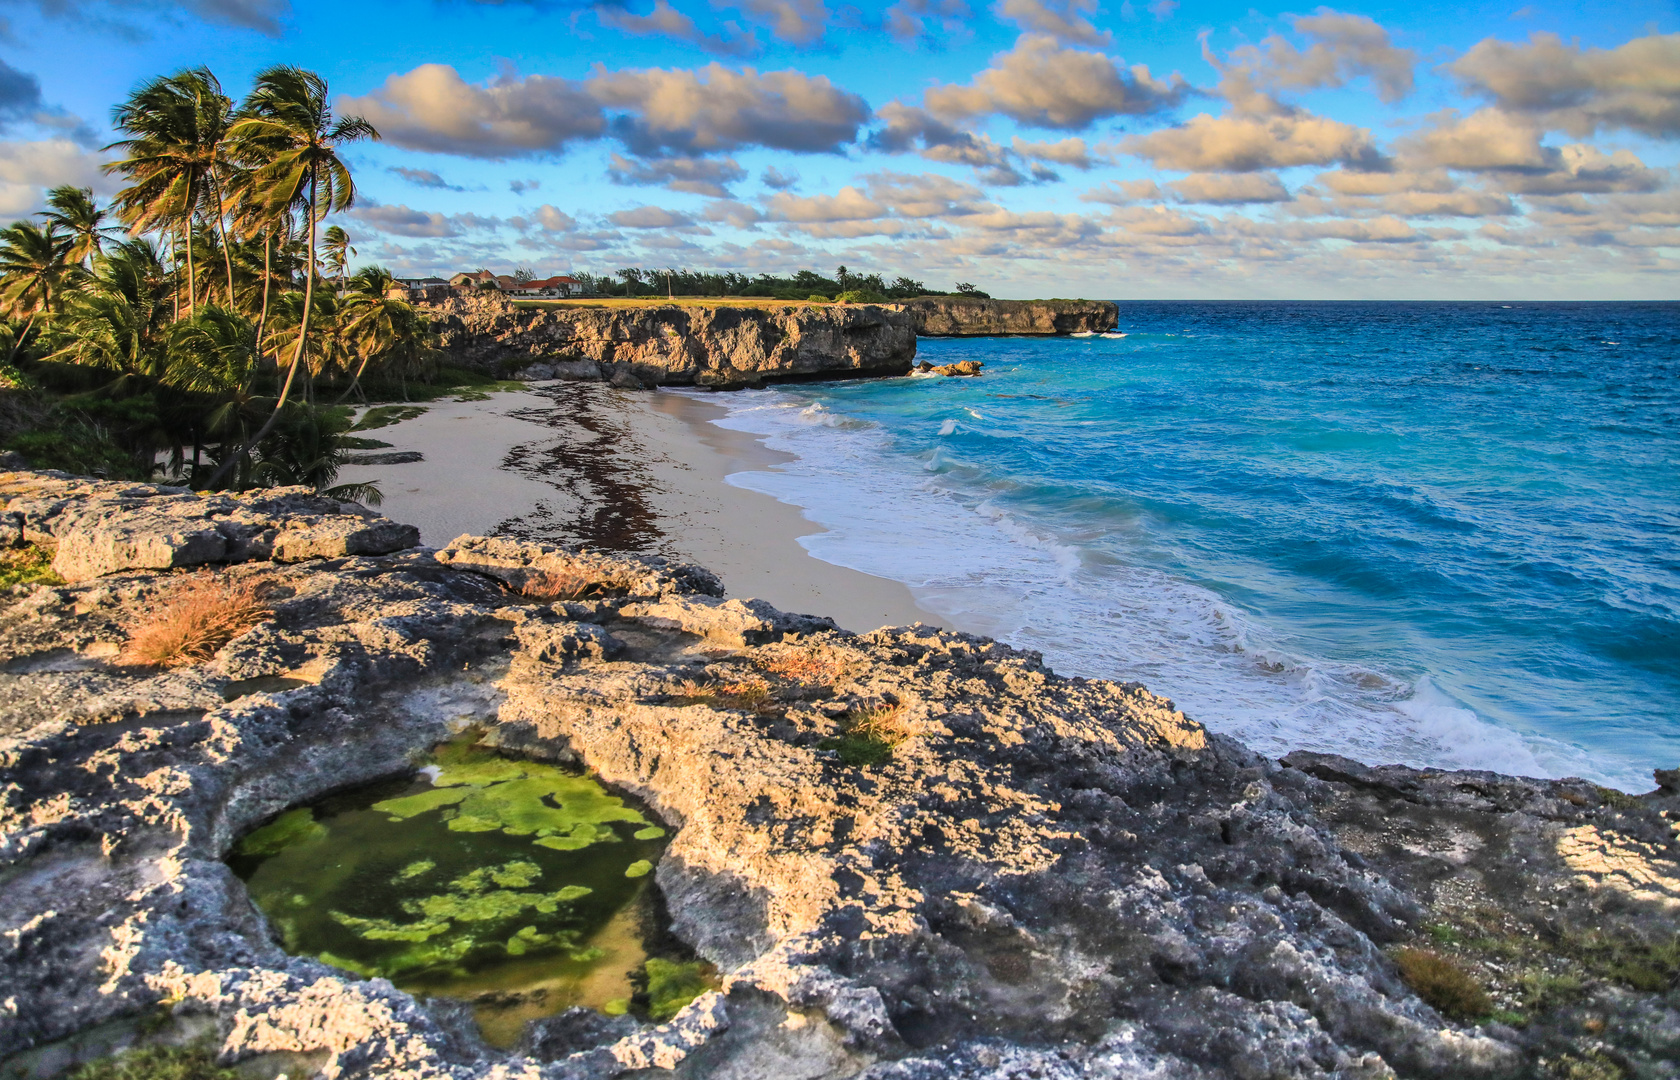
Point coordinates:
[(1440, 534)]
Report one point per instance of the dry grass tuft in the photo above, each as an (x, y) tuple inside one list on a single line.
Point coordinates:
[(570, 584), (201, 615), (869, 736), (1442, 983), (813, 666), (886, 724), (752, 695)]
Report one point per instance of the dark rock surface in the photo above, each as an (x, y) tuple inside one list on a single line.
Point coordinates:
[(672, 345), (1050, 877), (958, 316)]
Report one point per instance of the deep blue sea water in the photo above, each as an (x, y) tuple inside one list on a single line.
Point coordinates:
[(1440, 534)]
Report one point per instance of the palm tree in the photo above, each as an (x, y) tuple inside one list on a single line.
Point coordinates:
[(177, 128), (119, 318), (287, 135), (380, 327), (73, 210), (336, 253), (32, 268)]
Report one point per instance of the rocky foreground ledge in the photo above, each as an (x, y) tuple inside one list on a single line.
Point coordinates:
[(1050, 878)]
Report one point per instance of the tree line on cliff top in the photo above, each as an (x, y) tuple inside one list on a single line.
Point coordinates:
[(804, 285), (204, 316)]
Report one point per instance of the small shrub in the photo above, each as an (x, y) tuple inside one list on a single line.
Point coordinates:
[(28, 565), (1443, 984), (201, 616), (196, 1062)]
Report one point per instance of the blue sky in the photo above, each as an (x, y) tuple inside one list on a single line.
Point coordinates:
[(1034, 147)]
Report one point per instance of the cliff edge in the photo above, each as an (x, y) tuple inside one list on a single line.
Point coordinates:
[(674, 345), (959, 316), (1046, 877)]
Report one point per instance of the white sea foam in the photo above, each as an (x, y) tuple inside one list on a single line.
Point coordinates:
[(984, 569)]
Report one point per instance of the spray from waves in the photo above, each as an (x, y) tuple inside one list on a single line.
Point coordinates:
[(985, 569)]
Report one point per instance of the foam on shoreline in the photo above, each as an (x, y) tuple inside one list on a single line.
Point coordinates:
[(987, 571)]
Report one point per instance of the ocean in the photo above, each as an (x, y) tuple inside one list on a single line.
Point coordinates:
[(1442, 534)]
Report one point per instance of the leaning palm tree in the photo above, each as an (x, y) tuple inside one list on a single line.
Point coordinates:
[(335, 255), (381, 329), (119, 319), (33, 269), (177, 127), (74, 211), (287, 136)]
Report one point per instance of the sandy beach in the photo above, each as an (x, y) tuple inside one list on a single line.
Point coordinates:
[(581, 463)]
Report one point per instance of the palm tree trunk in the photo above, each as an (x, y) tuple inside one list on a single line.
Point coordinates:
[(175, 266), (17, 342), (192, 280), (297, 353), (268, 274), (227, 252)]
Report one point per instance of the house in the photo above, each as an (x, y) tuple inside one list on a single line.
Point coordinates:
[(560, 285)]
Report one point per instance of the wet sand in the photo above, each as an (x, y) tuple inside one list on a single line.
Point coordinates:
[(643, 472)]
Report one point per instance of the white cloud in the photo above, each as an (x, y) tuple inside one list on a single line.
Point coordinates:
[(1065, 20), (433, 108), (1227, 189), (1581, 90), (1039, 82), (1237, 143), (27, 169)]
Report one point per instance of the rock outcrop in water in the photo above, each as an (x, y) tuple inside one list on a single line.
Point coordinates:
[(672, 345), (960, 316), (1048, 877)]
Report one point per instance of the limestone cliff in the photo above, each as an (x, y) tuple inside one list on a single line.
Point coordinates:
[(1049, 877), (959, 316), (673, 345)]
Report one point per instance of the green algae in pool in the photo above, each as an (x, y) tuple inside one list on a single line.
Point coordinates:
[(517, 885)]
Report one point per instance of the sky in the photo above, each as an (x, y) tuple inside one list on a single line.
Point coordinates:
[(1139, 149)]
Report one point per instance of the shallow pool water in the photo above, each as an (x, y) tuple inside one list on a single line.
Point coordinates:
[(519, 886)]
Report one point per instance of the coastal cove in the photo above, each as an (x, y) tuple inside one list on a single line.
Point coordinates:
[(1335, 582)]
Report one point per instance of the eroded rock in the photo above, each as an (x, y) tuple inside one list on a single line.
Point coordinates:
[(1050, 877)]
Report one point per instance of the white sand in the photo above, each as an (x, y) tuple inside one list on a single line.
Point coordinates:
[(661, 443)]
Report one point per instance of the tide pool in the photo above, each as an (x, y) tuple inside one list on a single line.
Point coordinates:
[(1439, 534)]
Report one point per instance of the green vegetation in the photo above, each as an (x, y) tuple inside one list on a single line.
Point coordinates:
[(27, 565), (668, 985), (869, 736), (1535, 974), (806, 285), (194, 1062), (216, 341), (442, 884), (1442, 983)]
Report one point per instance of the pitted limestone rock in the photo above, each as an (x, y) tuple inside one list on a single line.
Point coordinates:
[(103, 527), (519, 564), (1049, 877)]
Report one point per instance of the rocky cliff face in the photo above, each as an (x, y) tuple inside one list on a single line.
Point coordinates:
[(698, 346), (955, 316), (1049, 877)]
